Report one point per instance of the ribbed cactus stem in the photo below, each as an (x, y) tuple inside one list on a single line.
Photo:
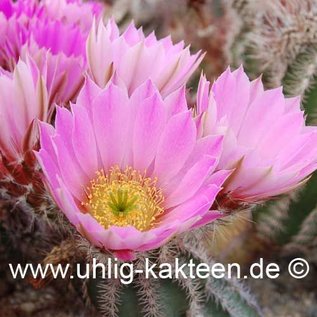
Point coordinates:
[(290, 222), (194, 291), (228, 292), (109, 297), (307, 234), (300, 75), (147, 296), (271, 219), (147, 291), (242, 6), (277, 38)]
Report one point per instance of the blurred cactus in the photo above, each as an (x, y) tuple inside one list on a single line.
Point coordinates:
[(300, 79), (279, 32)]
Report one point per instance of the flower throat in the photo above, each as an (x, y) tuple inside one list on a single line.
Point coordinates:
[(124, 198)]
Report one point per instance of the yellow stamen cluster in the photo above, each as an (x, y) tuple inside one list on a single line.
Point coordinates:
[(124, 198)]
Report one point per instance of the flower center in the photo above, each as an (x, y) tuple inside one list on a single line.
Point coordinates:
[(124, 198)]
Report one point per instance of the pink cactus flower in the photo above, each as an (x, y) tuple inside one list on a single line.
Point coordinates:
[(70, 12), (135, 58), (63, 75), (74, 12), (23, 97), (266, 140), (26, 8), (128, 171), (49, 36), (59, 25), (54, 33), (49, 49)]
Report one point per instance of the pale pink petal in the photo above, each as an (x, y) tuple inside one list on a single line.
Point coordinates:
[(175, 145), (111, 121), (191, 182), (149, 124)]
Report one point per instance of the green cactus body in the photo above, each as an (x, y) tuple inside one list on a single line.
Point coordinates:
[(175, 297)]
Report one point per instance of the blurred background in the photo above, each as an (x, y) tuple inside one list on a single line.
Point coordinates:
[(275, 38)]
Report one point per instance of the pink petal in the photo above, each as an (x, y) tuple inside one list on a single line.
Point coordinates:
[(176, 144), (191, 182), (149, 124), (111, 122)]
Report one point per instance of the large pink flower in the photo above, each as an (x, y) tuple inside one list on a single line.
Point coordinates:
[(129, 171), (135, 58), (266, 139)]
